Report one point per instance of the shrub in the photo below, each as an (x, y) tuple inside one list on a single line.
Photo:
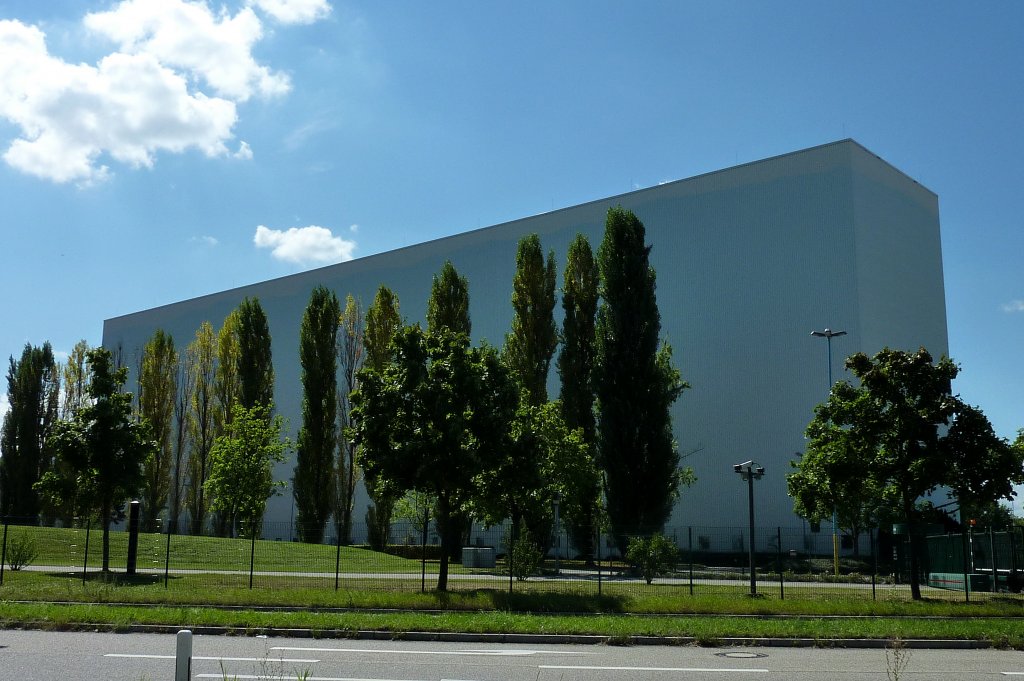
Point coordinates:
[(524, 557), (652, 556), (21, 551)]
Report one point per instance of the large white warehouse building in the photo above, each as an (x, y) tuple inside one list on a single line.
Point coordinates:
[(750, 260)]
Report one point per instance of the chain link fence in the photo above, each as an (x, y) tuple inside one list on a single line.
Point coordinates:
[(787, 562)]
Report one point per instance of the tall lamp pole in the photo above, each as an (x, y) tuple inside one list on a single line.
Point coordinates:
[(750, 471), (828, 334)]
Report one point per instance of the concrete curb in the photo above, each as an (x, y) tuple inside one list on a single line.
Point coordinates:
[(533, 639)]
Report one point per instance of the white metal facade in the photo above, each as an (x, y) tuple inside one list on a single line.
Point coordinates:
[(749, 260)]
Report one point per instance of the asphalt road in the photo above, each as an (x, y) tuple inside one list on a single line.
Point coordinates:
[(49, 656)]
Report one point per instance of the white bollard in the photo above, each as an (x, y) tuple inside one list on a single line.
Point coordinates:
[(183, 658)]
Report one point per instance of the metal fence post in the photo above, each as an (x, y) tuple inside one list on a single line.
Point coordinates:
[(3, 553), (966, 565), (252, 554), (689, 536), (423, 553), (167, 557), (337, 560), (597, 548), (85, 561), (782, 579), (874, 561)]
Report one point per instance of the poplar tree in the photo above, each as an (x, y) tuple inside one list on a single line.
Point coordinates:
[(635, 384), (228, 388), (202, 360), (33, 392), (351, 351), (76, 380), (575, 370), (227, 385), (182, 439), (157, 394), (448, 305), (255, 362), (314, 479), (531, 343), (383, 321)]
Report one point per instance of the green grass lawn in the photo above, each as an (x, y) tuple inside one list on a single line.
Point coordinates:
[(373, 600), (65, 547)]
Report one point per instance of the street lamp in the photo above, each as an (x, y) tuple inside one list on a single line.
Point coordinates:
[(828, 334), (750, 471)]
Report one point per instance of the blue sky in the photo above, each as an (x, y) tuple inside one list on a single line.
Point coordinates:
[(156, 151)]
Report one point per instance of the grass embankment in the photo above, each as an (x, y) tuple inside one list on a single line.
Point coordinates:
[(381, 592), (663, 611)]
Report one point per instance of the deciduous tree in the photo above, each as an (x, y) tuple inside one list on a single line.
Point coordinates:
[(429, 419), (903, 433), (576, 371), (532, 341), (255, 360), (448, 305), (635, 384), (158, 388), (383, 321), (242, 468), (100, 452), (315, 479), (351, 351), (202, 422), (33, 393)]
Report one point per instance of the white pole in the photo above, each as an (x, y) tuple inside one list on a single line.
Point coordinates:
[(183, 659)]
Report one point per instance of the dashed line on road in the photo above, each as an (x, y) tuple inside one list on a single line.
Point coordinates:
[(215, 659), (654, 669), (471, 653)]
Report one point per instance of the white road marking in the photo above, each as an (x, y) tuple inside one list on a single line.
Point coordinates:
[(292, 678), (215, 659), (653, 669), (377, 651)]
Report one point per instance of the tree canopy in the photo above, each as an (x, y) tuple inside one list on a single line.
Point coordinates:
[(255, 362), (158, 392), (100, 451), (428, 420), (531, 343), (636, 384), (242, 468), (898, 436), (33, 388), (314, 481)]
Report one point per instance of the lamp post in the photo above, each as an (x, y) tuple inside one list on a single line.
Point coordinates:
[(828, 334), (750, 471)]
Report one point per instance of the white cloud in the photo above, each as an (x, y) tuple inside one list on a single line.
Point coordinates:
[(127, 106), (294, 11), (1014, 306), (204, 240), (143, 98), (353, 228), (304, 245), (5, 406), (187, 35), (244, 152)]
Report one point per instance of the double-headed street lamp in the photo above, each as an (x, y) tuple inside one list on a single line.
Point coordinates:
[(750, 471), (828, 334)]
